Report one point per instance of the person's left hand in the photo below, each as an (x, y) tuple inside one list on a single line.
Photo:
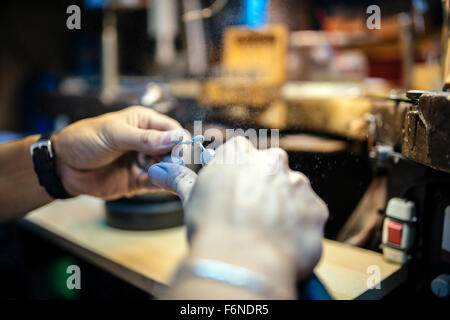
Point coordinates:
[(98, 156)]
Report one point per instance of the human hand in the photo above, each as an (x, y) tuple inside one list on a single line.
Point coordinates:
[(98, 156), (258, 199)]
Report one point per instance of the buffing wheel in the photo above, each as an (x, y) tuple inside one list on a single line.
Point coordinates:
[(153, 211)]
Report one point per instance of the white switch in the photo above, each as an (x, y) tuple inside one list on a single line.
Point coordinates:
[(400, 209), (395, 255)]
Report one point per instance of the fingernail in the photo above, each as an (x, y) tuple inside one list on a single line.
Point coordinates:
[(177, 150), (172, 137)]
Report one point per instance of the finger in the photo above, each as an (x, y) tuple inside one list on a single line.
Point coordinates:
[(145, 161), (146, 118), (141, 180), (147, 141), (279, 156), (296, 178), (235, 151), (239, 144), (272, 160), (173, 177)]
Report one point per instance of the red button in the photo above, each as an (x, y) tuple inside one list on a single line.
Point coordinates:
[(395, 232)]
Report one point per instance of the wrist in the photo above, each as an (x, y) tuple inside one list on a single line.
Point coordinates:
[(248, 249), (62, 169)]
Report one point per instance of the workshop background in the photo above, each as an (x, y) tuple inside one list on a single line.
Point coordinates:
[(313, 69)]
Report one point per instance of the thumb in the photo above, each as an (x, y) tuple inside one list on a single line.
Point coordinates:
[(148, 141), (173, 177)]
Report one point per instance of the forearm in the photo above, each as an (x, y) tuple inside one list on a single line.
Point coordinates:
[(242, 249), (20, 191)]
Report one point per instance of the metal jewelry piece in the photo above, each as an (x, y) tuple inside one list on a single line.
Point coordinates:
[(207, 154)]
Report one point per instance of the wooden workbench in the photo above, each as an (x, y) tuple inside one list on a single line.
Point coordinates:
[(147, 259)]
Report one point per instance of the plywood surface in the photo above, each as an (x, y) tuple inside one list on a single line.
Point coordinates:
[(147, 259)]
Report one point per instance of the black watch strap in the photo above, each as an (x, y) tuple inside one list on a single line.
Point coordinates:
[(44, 160)]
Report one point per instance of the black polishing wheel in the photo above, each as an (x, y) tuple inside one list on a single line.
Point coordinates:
[(153, 211)]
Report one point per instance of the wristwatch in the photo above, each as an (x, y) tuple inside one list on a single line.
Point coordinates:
[(44, 160)]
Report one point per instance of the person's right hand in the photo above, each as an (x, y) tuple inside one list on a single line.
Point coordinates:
[(258, 196)]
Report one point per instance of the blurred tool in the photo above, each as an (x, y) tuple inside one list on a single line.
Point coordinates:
[(195, 40), (243, 79), (407, 47), (420, 7), (162, 24), (110, 59), (213, 9)]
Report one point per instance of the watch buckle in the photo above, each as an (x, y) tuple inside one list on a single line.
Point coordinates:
[(40, 144)]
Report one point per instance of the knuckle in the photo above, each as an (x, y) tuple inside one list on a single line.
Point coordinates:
[(135, 109), (280, 155), (146, 138), (239, 140), (175, 122), (243, 145), (300, 179), (325, 212), (177, 179), (231, 146), (304, 178), (321, 210), (235, 141), (280, 152)]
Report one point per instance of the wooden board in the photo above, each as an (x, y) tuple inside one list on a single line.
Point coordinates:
[(345, 271), (148, 259)]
